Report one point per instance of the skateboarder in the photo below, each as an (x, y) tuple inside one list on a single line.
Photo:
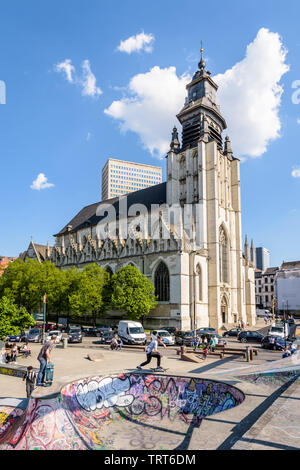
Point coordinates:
[(44, 358), (153, 352)]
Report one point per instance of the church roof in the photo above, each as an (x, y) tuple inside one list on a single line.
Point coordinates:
[(87, 216)]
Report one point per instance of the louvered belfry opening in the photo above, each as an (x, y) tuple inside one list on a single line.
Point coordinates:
[(162, 283)]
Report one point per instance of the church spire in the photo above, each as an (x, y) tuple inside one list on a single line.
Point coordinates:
[(202, 63), (175, 140)]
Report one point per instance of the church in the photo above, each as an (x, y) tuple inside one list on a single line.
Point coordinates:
[(185, 234)]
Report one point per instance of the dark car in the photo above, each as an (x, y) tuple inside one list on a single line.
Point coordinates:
[(75, 335), (106, 337), (90, 331), (171, 329), (232, 332), (184, 338), (274, 342), (250, 336), (17, 338), (207, 330)]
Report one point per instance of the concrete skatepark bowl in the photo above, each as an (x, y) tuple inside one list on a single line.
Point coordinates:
[(126, 411)]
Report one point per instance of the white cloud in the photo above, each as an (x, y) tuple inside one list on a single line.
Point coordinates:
[(137, 43), (67, 68), (88, 137), (157, 97), (249, 95), (296, 172), (298, 121), (88, 81), (41, 182)]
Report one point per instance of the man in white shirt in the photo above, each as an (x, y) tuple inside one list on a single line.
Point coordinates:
[(153, 352)]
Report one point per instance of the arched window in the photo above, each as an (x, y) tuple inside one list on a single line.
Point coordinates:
[(162, 283), (199, 274), (224, 257)]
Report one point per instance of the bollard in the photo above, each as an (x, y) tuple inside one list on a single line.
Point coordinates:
[(182, 349), (65, 343), (247, 354), (251, 354)]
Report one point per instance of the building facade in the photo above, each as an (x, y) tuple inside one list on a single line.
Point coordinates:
[(265, 288), (120, 177), (186, 234), (287, 288)]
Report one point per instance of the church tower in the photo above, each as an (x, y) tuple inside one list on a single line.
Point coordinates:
[(202, 172)]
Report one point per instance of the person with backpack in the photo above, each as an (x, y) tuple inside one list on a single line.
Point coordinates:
[(30, 378)]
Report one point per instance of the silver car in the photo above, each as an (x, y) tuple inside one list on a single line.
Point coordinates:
[(35, 335)]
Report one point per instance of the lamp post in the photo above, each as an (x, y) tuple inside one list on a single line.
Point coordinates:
[(44, 322)]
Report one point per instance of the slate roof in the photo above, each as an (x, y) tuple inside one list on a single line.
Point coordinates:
[(87, 216)]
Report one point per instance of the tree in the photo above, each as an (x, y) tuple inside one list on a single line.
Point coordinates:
[(89, 298), (22, 282), (133, 292), (13, 319)]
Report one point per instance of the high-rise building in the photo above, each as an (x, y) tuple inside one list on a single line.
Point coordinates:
[(262, 258), (120, 177)]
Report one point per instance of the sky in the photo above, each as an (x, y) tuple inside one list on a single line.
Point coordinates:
[(84, 81)]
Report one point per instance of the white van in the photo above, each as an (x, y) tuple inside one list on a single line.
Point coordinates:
[(279, 329), (132, 332)]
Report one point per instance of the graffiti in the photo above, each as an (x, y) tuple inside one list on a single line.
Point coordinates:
[(12, 372), (107, 392), (84, 414)]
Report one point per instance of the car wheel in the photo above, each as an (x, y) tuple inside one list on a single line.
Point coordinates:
[(243, 340), (226, 336)]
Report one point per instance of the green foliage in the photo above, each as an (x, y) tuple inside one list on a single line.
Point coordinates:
[(133, 292), (89, 297), (13, 319)]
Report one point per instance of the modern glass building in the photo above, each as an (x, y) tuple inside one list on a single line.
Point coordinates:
[(262, 256), (120, 177)]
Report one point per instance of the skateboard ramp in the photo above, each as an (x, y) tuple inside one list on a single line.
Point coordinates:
[(125, 411)]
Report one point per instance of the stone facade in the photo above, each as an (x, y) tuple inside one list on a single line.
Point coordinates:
[(208, 274)]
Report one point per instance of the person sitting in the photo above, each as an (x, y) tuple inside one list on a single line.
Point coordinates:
[(25, 350), (114, 345), (286, 353), (14, 351)]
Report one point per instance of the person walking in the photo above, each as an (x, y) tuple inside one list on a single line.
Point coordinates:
[(30, 378), (44, 358), (153, 352)]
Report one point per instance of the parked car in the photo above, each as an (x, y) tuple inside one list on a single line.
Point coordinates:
[(206, 330), (274, 342), (167, 338), (58, 335), (17, 338), (250, 336), (49, 327), (75, 335), (35, 335), (232, 332), (106, 337), (171, 329), (184, 338), (90, 331)]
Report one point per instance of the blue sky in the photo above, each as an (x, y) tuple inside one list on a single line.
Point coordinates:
[(49, 126)]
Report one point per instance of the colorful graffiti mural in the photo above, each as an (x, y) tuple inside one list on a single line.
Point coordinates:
[(83, 413)]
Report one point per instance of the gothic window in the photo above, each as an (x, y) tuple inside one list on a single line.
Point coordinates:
[(199, 274), (224, 256), (162, 283)]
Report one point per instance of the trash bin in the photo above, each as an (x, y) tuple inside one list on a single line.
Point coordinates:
[(65, 343)]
